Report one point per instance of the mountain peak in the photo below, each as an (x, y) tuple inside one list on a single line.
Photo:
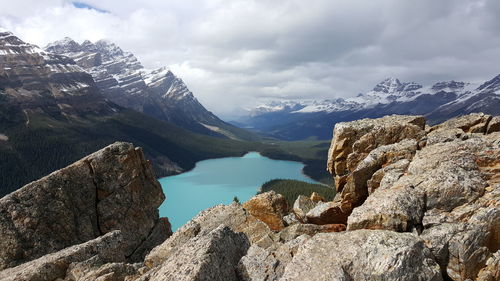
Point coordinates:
[(388, 85), (64, 45)]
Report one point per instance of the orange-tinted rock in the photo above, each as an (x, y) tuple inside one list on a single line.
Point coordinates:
[(269, 207), (327, 213), (315, 197)]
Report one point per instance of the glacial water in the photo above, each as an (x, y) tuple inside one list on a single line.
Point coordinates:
[(218, 181)]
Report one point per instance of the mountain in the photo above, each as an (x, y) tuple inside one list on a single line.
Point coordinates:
[(157, 93), (295, 120), (52, 113)]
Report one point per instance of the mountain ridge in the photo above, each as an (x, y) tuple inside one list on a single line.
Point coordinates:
[(158, 93), (438, 102)]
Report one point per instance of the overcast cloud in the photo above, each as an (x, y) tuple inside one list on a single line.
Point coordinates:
[(237, 53)]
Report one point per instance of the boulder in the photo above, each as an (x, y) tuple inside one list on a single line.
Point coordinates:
[(447, 173), (398, 209), (468, 252), (210, 256), (112, 189), (327, 213), (301, 206), (269, 207), (268, 264), (471, 123), (363, 255), (494, 125), (315, 197), (354, 140), (355, 190), (386, 177), (234, 216), (107, 248)]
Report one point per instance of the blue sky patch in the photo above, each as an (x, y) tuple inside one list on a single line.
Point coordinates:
[(82, 5)]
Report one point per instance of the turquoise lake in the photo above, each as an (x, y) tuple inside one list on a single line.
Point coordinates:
[(217, 181)]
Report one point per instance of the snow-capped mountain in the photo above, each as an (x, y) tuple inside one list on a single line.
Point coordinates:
[(158, 93), (315, 118), (38, 83)]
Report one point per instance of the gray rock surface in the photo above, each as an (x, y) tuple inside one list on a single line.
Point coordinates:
[(354, 140), (234, 216), (261, 264), (397, 209), (327, 213), (471, 123), (302, 205), (209, 256), (363, 255), (112, 189), (107, 248)]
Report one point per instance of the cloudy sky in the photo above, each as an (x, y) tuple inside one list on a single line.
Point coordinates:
[(236, 53)]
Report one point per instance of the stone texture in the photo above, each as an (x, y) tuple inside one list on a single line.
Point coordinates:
[(315, 197), (491, 272), (494, 125), (447, 173), (209, 256), (355, 190), (301, 206), (290, 219), (108, 248), (397, 209), (354, 140), (327, 213), (296, 230), (96, 268), (269, 207), (363, 255), (468, 252), (471, 123), (234, 216), (266, 264), (446, 135), (160, 231), (112, 189)]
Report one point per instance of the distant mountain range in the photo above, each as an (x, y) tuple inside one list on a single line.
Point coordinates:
[(296, 120), (158, 93)]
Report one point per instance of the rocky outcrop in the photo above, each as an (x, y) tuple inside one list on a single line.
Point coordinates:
[(208, 256), (363, 255), (112, 189), (441, 184), (354, 140), (363, 147), (107, 248)]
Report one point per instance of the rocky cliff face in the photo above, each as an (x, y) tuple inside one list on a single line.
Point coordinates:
[(112, 189), (414, 203)]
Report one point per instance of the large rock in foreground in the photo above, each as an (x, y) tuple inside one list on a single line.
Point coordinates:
[(107, 248), (112, 189), (210, 256), (363, 255)]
